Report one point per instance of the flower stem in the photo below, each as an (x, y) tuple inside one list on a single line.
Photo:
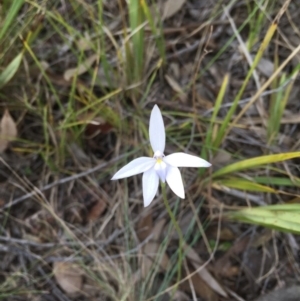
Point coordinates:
[(181, 239)]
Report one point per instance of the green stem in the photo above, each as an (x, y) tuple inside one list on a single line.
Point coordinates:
[(181, 239)]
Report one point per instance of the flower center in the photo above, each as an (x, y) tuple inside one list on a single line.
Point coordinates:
[(160, 166), (159, 160), (158, 155)]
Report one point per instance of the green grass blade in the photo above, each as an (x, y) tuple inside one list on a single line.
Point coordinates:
[(219, 100), (246, 185), (10, 70), (277, 107), (10, 17), (255, 162), (156, 30), (279, 181), (284, 218), (136, 19), (225, 125)]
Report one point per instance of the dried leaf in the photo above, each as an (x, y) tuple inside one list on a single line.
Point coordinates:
[(201, 288), (94, 124), (171, 7), (158, 229), (151, 256), (8, 131), (82, 68), (196, 261), (84, 43), (223, 265), (150, 251), (222, 157), (144, 226), (68, 276), (96, 127), (265, 66), (96, 210), (180, 296), (287, 293), (176, 87)]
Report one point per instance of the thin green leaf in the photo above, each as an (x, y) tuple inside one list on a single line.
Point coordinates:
[(217, 106), (10, 16), (136, 19), (156, 29), (246, 185), (284, 218), (279, 181), (225, 127), (10, 70), (255, 162)]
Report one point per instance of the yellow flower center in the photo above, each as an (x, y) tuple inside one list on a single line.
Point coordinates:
[(160, 166), (159, 160)]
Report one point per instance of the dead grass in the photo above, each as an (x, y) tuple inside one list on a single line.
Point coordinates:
[(224, 74)]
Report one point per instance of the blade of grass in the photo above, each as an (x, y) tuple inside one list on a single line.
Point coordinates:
[(246, 185), (136, 19), (265, 85), (259, 20), (104, 56), (230, 40), (225, 127), (274, 113), (278, 104), (10, 16), (284, 218), (156, 30), (279, 181), (210, 141), (10, 70), (255, 162)]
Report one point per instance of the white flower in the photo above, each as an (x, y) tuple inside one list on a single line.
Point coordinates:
[(160, 166)]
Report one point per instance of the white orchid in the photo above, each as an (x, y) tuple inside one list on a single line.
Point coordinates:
[(160, 166)]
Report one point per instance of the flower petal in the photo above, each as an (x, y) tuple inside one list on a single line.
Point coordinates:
[(157, 133), (185, 160), (150, 185), (175, 181), (134, 167)]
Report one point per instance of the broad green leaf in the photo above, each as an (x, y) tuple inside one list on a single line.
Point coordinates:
[(10, 70), (255, 162), (284, 218)]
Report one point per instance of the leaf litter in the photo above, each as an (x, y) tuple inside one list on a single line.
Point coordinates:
[(88, 239), (8, 130)]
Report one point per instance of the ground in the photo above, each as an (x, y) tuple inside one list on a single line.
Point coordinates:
[(78, 81)]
